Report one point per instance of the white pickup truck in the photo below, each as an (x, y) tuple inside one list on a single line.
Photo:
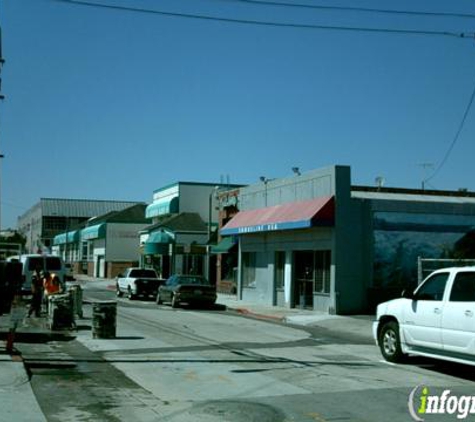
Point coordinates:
[(136, 282), (437, 320)]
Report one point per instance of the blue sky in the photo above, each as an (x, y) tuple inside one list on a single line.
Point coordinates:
[(106, 104)]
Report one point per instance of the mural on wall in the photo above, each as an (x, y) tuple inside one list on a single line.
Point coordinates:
[(400, 238)]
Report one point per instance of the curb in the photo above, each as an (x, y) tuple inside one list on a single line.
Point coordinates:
[(247, 312)]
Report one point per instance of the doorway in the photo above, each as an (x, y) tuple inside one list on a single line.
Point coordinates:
[(311, 277), (303, 276)]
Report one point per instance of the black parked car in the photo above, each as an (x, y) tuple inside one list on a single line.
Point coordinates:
[(190, 289)]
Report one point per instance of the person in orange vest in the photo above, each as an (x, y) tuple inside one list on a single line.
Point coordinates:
[(51, 284)]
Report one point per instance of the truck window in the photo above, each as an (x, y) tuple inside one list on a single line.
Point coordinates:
[(143, 273), (53, 264), (433, 288), (35, 262), (463, 289)]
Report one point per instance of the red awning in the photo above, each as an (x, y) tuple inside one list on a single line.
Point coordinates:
[(294, 215)]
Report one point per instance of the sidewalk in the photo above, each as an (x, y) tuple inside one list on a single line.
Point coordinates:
[(17, 400), (354, 325)]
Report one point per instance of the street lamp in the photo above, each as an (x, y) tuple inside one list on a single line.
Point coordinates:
[(264, 180)]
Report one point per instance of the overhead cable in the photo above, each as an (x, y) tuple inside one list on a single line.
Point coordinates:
[(456, 137), (267, 23), (357, 9)]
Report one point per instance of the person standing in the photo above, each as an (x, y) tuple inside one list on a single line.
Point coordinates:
[(37, 294), (51, 284)]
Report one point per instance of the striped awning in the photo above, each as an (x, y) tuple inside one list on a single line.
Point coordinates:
[(162, 207), (69, 237), (94, 232), (291, 216), (224, 246), (158, 243)]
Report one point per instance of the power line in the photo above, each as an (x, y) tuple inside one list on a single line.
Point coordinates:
[(456, 137), (266, 23), (357, 9)]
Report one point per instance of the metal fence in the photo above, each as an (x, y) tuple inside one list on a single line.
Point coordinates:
[(426, 265)]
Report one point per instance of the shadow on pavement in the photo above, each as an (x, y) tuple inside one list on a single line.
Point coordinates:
[(22, 337)]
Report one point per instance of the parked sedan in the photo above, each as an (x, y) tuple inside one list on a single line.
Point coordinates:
[(190, 289)]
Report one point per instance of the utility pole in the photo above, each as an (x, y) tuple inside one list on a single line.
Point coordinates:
[(425, 167), (2, 97)]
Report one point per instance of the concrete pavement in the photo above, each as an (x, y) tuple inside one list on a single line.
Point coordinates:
[(354, 324), (18, 402)]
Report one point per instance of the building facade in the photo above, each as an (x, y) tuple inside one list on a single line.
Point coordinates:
[(315, 241), (226, 250), (52, 216), (184, 220), (106, 245)]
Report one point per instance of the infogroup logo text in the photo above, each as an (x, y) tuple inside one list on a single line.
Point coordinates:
[(422, 403)]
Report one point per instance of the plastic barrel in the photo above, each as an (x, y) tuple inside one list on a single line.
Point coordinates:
[(104, 316)]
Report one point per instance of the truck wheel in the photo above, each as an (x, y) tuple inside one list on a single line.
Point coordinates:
[(130, 295), (118, 292), (174, 301), (390, 342), (158, 300)]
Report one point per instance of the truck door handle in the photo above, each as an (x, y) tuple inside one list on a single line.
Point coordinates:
[(469, 313), (437, 311)]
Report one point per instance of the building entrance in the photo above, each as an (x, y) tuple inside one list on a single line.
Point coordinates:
[(303, 285), (311, 277)]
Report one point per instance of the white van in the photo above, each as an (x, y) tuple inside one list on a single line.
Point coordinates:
[(47, 263)]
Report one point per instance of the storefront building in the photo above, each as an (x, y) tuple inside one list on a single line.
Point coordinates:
[(53, 216), (107, 245), (177, 244), (226, 249), (314, 241), (184, 221)]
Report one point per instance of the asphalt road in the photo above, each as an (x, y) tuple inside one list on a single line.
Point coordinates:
[(214, 365)]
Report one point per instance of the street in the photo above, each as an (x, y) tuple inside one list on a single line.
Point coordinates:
[(215, 365)]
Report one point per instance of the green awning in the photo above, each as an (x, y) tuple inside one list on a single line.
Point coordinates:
[(224, 246), (69, 237), (158, 243), (162, 207), (94, 232)]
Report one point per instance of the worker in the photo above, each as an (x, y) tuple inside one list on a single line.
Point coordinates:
[(37, 293), (51, 284)]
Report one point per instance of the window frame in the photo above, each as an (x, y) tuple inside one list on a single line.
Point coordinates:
[(462, 276), (432, 278), (248, 265)]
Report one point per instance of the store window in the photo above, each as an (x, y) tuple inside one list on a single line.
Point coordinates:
[(279, 270), (322, 271), (312, 270), (84, 251), (192, 264), (249, 269), (229, 264)]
